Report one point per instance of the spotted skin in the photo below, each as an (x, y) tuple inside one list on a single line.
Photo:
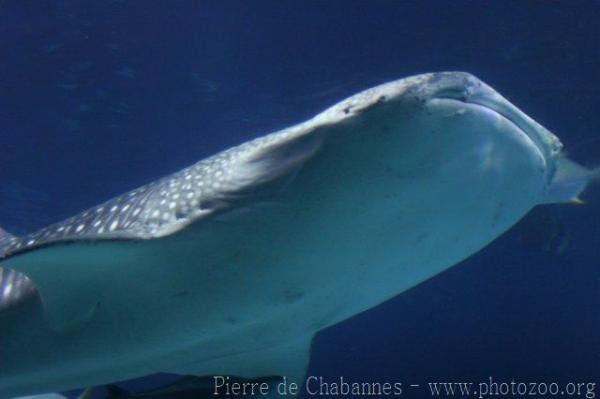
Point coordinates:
[(153, 210), (171, 203)]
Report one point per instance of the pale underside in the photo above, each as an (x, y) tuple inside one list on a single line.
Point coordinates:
[(232, 265)]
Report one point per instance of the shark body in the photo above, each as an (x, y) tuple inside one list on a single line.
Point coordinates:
[(233, 264)]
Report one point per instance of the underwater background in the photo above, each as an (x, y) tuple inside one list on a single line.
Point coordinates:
[(97, 98)]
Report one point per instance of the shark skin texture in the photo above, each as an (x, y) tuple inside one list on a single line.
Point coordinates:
[(232, 265)]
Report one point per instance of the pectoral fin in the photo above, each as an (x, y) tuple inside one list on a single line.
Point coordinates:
[(568, 182), (71, 293)]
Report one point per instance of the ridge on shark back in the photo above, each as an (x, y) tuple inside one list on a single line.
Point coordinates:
[(232, 265)]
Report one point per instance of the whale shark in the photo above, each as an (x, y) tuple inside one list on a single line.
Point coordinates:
[(233, 264)]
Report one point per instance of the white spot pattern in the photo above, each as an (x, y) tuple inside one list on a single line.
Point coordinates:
[(199, 190)]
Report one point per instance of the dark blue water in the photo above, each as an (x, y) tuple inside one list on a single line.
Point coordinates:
[(100, 97)]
